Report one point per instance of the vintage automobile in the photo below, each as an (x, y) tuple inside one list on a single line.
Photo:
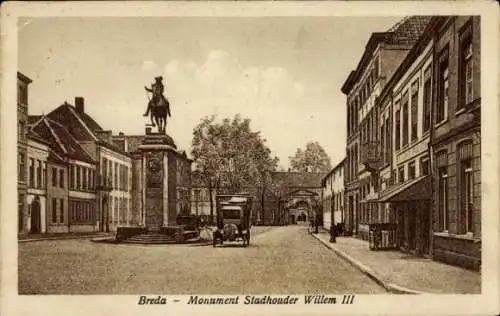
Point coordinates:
[(234, 214)]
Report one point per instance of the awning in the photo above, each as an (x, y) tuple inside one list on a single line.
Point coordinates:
[(372, 197), (416, 189), (231, 208)]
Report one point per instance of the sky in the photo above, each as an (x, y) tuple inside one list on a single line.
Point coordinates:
[(284, 73)]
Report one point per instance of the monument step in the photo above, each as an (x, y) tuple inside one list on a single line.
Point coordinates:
[(151, 238)]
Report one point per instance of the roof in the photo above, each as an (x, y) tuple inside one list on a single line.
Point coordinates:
[(133, 141), (411, 56), (61, 140), (405, 32), (337, 166), (34, 136), (80, 125), (66, 114), (298, 179), (32, 119), (23, 77)]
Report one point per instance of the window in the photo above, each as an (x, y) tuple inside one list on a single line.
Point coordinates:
[(405, 119), (443, 196), (466, 66), (61, 178), (414, 111), (54, 177), (32, 173), (427, 100), (84, 178), (387, 141), (382, 139), (71, 177), (465, 187), (44, 175), (38, 173), (394, 177), (22, 93), (442, 173), (115, 183), (442, 106), (21, 130), (78, 183), (424, 166), (397, 131), (349, 122), (411, 170), (61, 211), (401, 174), (22, 167), (54, 210)]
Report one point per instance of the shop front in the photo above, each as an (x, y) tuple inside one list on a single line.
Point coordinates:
[(411, 202)]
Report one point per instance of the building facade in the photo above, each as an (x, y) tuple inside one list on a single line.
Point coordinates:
[(70, 180), (332, 196), (22, 152), (38, 152), (456, 142), (112, 175), (383, 54), (404, 172)]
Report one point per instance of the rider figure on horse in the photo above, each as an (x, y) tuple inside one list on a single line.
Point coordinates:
[(158, 99)]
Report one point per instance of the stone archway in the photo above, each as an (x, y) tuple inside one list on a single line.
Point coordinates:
[(36, 223)]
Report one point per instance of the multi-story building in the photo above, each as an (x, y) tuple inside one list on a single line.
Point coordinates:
[(71, 195), (38, 152), (402, 155), (113, 173), (332, 196), (456, 142), (383, 54), (22, 151)]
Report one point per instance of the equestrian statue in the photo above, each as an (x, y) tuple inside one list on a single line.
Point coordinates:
[(158, 105)]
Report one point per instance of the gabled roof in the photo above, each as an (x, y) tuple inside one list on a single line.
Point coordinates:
[(66, 114), (34, 136), (61, 140), (405, 32), (32, 119)]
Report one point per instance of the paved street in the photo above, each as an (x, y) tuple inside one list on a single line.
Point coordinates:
[(279, 260)]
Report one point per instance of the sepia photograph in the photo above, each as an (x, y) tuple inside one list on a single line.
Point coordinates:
[(251, 159)]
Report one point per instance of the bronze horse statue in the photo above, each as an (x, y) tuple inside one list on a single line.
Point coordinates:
[(158, 106)]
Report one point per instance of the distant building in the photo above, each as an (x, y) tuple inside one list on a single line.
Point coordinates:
[(332, 196), (292, 198), (22, 152)]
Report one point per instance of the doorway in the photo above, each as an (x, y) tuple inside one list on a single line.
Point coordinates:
[(35, 217)]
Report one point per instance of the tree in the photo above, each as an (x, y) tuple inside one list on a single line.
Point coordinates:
[(230, 156), (313, 159)]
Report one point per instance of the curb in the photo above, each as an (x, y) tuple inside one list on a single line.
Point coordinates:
[(390, 287), (61, 238)]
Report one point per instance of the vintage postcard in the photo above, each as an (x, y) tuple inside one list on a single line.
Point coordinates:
[(257, 158)]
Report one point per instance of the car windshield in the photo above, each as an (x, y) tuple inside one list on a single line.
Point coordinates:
[(231, 214)]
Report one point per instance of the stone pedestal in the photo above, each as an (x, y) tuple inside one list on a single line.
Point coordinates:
[(165, 174)]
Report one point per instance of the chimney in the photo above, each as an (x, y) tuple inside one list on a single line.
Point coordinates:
[(79, 105)]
